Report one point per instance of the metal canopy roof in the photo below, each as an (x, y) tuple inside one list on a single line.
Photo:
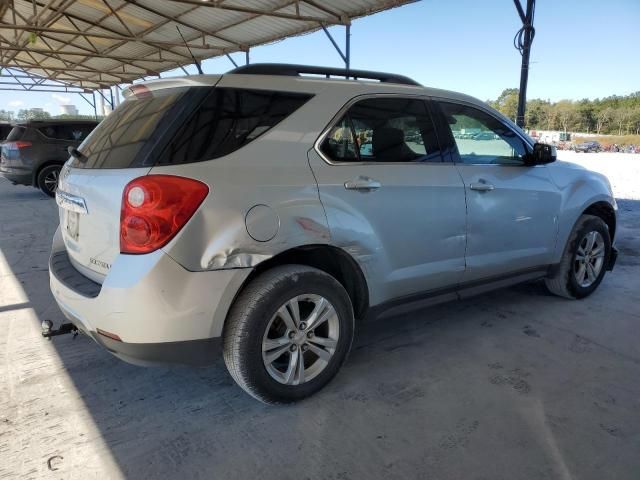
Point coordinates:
[(94, 44)]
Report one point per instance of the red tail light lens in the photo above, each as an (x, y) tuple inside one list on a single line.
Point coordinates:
[(17, 145), (154, 210)]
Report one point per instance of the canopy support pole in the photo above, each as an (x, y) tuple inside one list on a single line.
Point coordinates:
[(231, 60), (522, 42), (346, 55)]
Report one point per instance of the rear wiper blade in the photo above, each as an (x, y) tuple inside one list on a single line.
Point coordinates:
[(77, 154)]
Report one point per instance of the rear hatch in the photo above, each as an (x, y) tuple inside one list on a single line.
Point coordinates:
[(123, 147), (14, 148)]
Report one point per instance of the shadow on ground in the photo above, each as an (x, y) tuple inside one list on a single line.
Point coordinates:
[(513, 384)]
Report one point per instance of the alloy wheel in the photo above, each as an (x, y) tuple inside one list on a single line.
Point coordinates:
[(589, 259), (300, 339), (51, 180)]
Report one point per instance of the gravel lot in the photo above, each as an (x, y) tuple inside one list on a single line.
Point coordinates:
[(515, 384)]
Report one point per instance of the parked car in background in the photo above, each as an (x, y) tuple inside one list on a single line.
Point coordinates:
[(35, 151), (236, 214), (484, 136), (588, 147), (5, 128)]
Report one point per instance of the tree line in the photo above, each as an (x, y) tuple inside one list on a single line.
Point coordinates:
[(39, 114), (615, 115)]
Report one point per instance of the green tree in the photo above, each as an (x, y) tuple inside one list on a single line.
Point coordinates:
[(585, 115), (535, 113), (507, 103), (565, 113), (603, 117), (33, 114)]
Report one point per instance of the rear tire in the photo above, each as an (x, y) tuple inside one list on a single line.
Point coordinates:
[(269, 348), (47, 180), (584, 261)]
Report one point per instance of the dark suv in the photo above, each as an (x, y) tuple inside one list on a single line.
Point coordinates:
[(35, 151)]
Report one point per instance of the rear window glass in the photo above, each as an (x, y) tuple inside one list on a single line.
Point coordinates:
[(16, 134), (184, 125), (71, 132), (4, 131), (126, 137)]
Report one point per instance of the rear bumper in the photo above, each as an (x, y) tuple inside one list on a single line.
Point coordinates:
[(20, 176), (160, 312), (193, 352)]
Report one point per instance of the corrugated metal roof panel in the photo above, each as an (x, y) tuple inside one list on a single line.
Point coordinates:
[(124, 41)]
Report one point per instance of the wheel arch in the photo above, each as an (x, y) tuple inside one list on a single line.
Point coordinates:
[(606, 212), (332, 260)]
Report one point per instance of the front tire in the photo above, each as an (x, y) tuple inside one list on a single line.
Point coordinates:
[(47, 180), (288, 333), (584, 261)]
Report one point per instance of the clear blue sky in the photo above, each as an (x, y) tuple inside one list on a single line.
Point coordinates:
[(582, 48)]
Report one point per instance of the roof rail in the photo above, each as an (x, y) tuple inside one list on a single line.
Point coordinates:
[(287, 69)]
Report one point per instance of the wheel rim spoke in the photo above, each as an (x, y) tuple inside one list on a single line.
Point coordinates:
[(591, 238), (320, 314), (286, 317), (320, 352), (289, 375), (591, 272), (272, 356), (300, 372), (581, 272), (273, 343), (323, 341)]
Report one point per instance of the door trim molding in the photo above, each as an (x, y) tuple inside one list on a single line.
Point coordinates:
[(455, 292)]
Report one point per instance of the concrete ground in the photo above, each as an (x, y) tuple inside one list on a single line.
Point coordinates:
[(515, 384)]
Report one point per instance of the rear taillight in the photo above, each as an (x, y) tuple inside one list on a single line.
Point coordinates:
[(16, 145), (155, 208)]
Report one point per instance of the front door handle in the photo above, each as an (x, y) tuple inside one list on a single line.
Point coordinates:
[(481, 186), (363, 184)]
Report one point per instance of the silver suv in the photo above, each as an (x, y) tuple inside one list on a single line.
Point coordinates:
[(263, 211)]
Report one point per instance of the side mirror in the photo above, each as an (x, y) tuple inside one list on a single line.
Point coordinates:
[(541, 155)]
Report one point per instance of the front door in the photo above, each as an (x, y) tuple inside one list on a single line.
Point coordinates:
[(390, 200), (512, 208)]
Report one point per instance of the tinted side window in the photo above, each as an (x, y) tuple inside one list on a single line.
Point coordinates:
[(16, 134), (481, 138), (226, 120), (4, 131), (72, 132), (385, 129)]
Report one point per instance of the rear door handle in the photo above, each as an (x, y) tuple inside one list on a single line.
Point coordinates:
[(363, 184), (481, 186)]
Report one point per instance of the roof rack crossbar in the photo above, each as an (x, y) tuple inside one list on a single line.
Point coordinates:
[(286, 69)]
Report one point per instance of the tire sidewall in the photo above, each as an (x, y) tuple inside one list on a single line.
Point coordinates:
[(590, 225), (286, 287)]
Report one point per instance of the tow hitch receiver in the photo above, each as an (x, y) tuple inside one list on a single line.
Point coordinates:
[(48, 332)]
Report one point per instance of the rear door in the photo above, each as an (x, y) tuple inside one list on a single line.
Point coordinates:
[(512, 208), (390, 200)]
